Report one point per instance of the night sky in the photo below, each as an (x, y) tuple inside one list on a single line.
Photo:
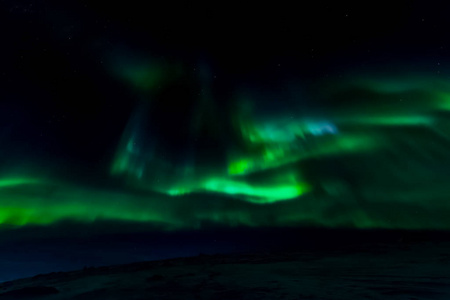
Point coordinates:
[(183, 116)]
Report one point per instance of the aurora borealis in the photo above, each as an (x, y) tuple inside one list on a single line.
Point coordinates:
[(107, 115), (380, 165)]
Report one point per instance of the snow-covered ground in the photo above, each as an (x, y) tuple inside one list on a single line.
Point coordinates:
[(368, 271)]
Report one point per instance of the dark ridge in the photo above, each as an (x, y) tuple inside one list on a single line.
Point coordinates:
[(31, 291)]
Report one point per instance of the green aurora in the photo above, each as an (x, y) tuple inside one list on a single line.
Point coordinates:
[(379, 159)]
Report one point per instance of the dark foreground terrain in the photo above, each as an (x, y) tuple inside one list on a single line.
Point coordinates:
[(403, 270)]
